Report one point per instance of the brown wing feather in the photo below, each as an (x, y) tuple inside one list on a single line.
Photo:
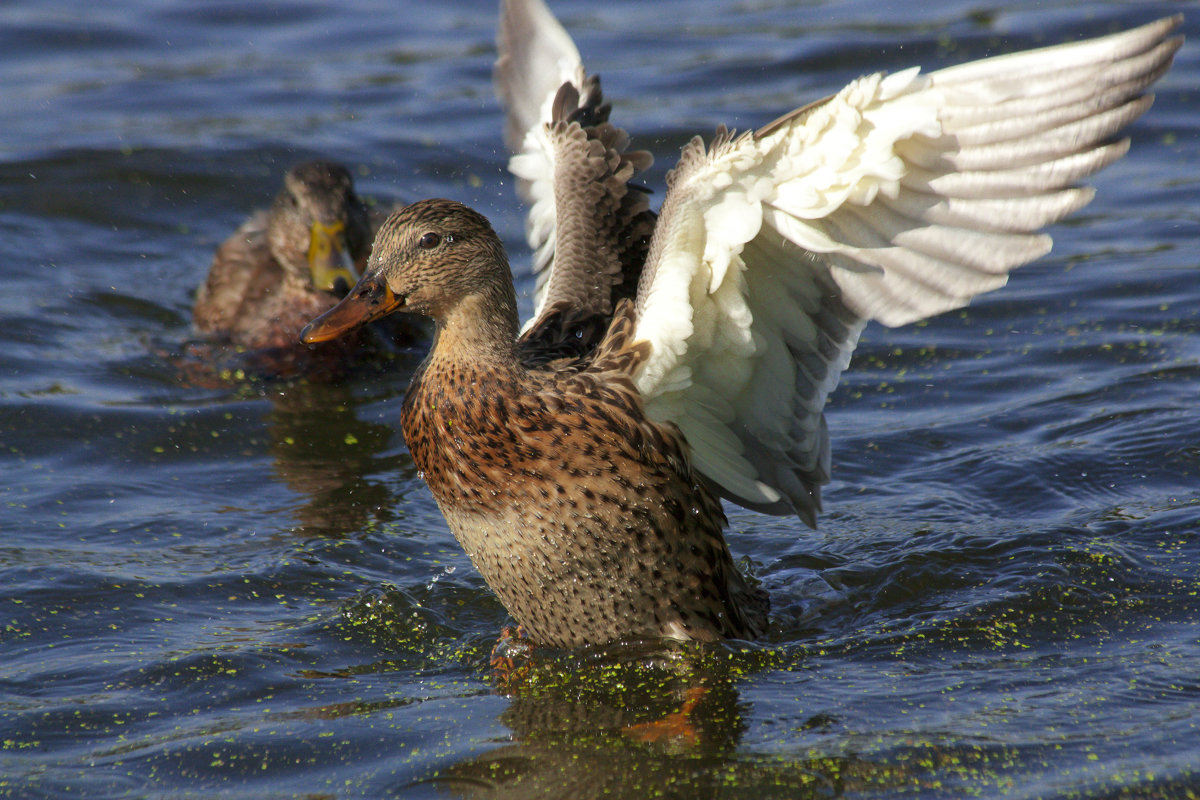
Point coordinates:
[(603, 221)]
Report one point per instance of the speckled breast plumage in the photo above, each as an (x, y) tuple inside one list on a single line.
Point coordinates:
[(582, 515)]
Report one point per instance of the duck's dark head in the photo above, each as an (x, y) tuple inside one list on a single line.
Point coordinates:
[(430, 258), (317, 226)]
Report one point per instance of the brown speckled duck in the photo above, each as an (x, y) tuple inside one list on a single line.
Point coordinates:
[(584, 515), (288, 263), (676, 361)]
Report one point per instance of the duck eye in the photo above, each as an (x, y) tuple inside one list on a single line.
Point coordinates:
[(429, 241)]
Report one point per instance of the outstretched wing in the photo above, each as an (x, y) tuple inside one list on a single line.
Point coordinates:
[(588, 226), (898, 198)]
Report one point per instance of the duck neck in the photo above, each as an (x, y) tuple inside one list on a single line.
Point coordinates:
[(481, 329)]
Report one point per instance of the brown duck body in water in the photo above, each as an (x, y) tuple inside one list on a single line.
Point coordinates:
[(676, 360), (580, 512), (285, 265)]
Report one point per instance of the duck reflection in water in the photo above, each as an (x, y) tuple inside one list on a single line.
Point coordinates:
[(323, 451), (623, 721), (630, 722)]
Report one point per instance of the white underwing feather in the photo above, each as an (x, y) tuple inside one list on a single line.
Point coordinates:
[(898, 198)]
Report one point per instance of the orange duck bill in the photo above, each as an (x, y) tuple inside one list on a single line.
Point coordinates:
[(369, 300)]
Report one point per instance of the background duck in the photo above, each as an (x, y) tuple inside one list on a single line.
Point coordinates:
[(288, 263), (586, 489)]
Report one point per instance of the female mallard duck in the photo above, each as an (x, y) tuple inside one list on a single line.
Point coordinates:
[(585, 486), (287, 264)]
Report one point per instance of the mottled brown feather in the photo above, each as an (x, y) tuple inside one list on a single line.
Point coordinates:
[(604, 222)]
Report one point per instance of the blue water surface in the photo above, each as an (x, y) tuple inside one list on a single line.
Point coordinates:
[(242, 589)]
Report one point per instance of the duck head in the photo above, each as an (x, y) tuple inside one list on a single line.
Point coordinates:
[(317, 224), (432, 258)]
